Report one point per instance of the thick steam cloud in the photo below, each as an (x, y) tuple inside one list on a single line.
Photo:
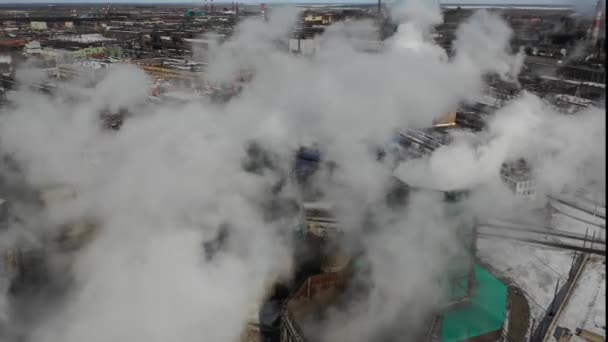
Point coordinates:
[(171, 176)]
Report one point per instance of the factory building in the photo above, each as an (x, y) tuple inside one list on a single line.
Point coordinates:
[(518, 177)]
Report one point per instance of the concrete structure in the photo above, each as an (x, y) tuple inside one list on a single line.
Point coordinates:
[(519, 179)]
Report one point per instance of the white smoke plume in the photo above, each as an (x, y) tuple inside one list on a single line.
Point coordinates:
[(167, 180), (563, 151)]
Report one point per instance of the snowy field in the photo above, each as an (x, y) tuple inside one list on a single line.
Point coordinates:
[(569, 219), (535, 269), (586, 306)]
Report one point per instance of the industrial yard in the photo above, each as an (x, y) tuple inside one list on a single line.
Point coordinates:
[(409, 171)]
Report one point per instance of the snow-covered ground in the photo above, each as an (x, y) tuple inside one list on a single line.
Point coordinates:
[(572, 220), (585, 204), (586, 306), (535, 269)]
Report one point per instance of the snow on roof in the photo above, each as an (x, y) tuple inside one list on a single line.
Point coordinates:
[(84, 38)]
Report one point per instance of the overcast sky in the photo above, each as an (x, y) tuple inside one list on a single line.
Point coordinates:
[(517, 2)]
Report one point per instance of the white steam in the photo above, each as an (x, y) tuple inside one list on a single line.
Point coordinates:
[(167, 180)]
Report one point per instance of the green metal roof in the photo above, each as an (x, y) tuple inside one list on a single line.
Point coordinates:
[(484, 313)]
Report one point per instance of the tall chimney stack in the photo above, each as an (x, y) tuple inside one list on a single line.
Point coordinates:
[(379, 7), (596, 24), (264, 11)]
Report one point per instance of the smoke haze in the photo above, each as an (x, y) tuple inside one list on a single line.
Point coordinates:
[(164, 183)]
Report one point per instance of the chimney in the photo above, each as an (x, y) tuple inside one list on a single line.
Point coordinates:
[(379, 7), (596, 24)]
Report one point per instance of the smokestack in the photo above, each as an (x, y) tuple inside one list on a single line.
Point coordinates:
[(379, 7), (596, 24), (263, 8)]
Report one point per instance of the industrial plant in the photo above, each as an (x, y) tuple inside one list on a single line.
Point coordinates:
[(123, 135)]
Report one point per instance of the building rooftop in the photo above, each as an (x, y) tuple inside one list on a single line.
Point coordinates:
[(518, 170), (84, 38)]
